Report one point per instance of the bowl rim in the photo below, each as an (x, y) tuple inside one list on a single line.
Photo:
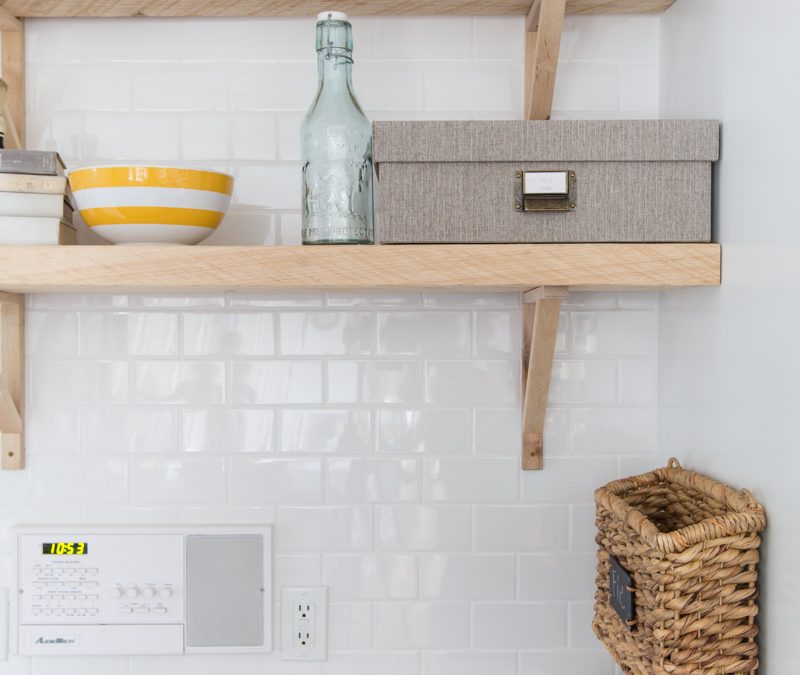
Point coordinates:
[(147, 166)]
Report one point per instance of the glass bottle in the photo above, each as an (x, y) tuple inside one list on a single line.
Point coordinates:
[(336, 146)]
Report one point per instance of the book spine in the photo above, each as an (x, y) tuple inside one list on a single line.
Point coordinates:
[(38, 163), (10, 182)]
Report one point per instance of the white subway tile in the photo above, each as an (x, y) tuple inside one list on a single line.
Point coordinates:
[(469, 663), (369, 663), (586, 85), (178, 481), (499, 625), (614, 431), (132, 137), (596, 662), (222, 431), (373, 299), (253, 137), (180, 382), (497, 432), (82, 480), (384, 85), (56, 132), (466, 577), (521, 528), (591, 300), (499, 333), (275, 300), (372, 480), (326, 430), (429, 431), (424, 333), (128, 333), (51, 429), (186, 664), (180, 86), (178, 301), (428, 38), (612, 38), (472, 382), (420, 625), (629, 333), (639, 87), (579, 617), (95, 87), (245, 227), (274, 382), (350, 627), (329, 528), (471, 479), (51, 334), (272, 86), (462, 300), (80, 665), (370, 577), (325, 333), (297, 570), (473, 86), (568, 479), (499, 38), (423, 528), (274, 481), (582, 529), (638, 299), (206, 137), (15, 486), (228, 333), (289, 136), (631, 466), (131, 430), (638, 381), (375, 382), (130, 515), (557, 576), (583, 381), (54, 382)]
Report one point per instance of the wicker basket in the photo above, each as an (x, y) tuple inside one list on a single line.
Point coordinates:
[(690, 546)]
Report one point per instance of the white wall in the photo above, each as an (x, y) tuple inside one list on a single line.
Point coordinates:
[(729, 372), (380, 432)]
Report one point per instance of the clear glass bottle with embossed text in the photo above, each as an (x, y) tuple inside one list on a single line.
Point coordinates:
[(336, 146)]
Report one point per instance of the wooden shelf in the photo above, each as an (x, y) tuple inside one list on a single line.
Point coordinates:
[(508, 267), (122, 8)]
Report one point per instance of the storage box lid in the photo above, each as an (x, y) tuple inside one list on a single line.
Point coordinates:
[(551, 140)]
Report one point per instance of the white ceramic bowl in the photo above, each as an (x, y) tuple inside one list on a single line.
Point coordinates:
[(151, 204)]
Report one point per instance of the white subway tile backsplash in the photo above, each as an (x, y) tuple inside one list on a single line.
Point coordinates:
[(274, 481), (326, 333), (469, 663), (379, 432), (329, 528), (423, 528), (505, 625), (228, 333), (222, 431), (421, 625), (326, 430), (370, 577), (471, 480), (274, 382), (424, 333), (429, 431), (128, 334), (372, 480), (466, 577), (178, 481), (180, 382)]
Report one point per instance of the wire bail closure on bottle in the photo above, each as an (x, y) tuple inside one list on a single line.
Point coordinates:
[(338, 54)]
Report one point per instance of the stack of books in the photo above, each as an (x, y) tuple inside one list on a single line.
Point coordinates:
[(36, 205)]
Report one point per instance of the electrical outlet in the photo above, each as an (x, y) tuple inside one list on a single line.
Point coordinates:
[(304, 624)]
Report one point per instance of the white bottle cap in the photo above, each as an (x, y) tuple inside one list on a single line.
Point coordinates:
[(333, 16)]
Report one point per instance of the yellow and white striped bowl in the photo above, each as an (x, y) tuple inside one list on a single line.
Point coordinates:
[(151, 204)]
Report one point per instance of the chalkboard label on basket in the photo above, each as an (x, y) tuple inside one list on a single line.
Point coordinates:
[(621, 593)]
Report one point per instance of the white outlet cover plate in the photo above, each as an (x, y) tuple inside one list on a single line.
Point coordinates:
[(311, 624)]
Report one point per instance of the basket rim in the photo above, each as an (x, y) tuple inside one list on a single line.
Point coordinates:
[(746, 514)]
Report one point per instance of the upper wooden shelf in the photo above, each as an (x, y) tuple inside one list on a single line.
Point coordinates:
[(120, 8), (507, 267)]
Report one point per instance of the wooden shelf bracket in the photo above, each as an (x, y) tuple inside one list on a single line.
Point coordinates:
[(12, 380), (542, 43), (540, 311)]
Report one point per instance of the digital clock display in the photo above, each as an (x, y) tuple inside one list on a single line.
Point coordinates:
[(65, 548)]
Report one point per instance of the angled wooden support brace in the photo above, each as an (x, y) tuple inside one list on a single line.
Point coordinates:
[(12, 379), (542, 43), (540, 311), (13, 55)]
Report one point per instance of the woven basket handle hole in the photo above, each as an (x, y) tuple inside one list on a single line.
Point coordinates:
[(673, 463)]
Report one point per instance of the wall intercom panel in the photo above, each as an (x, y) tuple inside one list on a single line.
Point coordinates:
[(87, 590)]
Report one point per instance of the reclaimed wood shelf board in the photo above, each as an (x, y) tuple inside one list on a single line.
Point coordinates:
[(241, 8), (509, 267)]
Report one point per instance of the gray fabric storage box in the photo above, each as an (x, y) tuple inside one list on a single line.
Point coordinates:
[(637, 180)]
